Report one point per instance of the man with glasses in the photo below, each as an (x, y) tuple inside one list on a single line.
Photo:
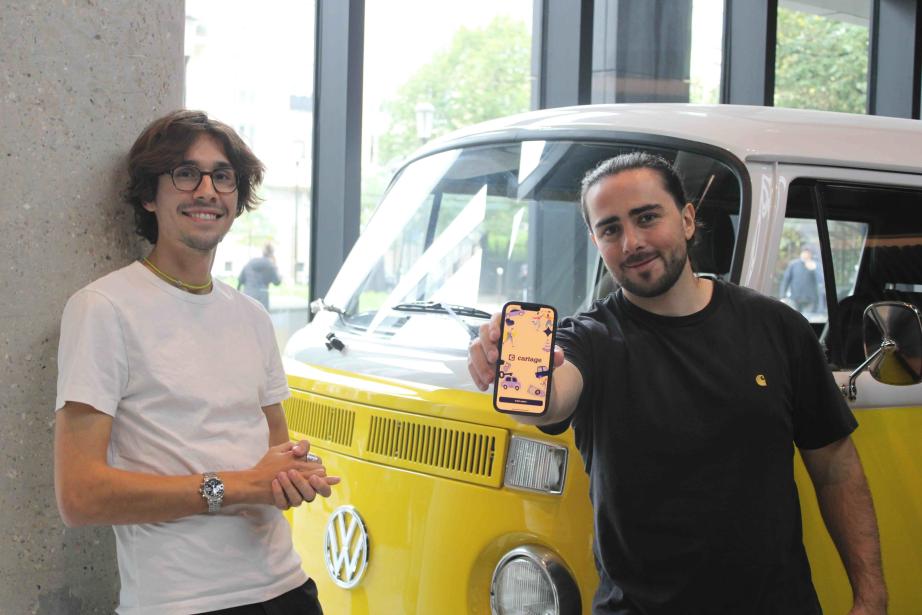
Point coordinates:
[(169, 422)]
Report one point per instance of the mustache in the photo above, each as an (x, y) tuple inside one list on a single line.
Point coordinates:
[(639, 258), (209, 206)]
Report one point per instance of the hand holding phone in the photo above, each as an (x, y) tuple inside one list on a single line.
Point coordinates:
[(526, 358)]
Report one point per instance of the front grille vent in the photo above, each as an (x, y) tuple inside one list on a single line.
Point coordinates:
[(453, 450), (320, 420)]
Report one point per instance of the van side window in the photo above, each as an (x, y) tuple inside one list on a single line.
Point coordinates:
[(843, 247)]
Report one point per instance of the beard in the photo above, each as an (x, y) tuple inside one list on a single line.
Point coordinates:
[(650, 287), (202, 244), (201, 241)]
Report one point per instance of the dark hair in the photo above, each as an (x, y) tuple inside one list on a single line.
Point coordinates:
[(163, 145), (672, 183)]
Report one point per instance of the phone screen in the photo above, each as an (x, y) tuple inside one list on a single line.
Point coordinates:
[(526, 352)]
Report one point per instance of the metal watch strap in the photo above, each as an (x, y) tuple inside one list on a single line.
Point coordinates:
[(214, 503)]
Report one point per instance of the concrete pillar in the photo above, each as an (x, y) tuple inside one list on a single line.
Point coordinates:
[(78, 81)]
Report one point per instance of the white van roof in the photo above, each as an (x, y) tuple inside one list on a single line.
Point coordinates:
[(752, 134)]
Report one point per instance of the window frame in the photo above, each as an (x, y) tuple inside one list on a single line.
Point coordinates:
[(873, 393)]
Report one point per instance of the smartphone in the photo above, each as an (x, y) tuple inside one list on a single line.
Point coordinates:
[(526, 358)]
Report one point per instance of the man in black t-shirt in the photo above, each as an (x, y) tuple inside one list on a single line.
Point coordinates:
[(687, 397)]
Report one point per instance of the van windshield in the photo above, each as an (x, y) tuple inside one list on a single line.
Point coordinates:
[(475, 227)]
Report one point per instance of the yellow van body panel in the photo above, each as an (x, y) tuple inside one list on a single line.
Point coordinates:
[(437, 532), (888, 441), (438, 518)]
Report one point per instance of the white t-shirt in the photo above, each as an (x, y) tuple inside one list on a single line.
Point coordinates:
[(185, 378)]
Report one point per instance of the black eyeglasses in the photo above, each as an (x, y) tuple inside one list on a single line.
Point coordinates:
[(188, 177)]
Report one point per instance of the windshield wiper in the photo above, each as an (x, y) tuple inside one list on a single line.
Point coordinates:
[(455, 311), (434, 307)]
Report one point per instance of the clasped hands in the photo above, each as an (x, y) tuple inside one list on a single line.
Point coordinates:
[(297, 476)]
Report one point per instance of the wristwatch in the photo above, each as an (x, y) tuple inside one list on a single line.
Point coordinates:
[(212, 491)]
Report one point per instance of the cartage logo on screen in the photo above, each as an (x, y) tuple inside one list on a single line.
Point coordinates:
[(526, 346)]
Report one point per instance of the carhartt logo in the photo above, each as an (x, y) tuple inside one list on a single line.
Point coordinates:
[(760, 380), (345, 547)]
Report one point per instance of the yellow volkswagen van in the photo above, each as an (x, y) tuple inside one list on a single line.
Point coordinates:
[(449, 507)]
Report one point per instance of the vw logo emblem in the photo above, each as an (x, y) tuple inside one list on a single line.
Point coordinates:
[(345, 547)]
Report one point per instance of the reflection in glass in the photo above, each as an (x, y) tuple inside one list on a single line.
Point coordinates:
[(483, 225)]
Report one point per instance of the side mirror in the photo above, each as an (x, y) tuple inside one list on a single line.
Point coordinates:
[(892, 344)]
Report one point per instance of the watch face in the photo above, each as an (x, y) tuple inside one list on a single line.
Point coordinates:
[(213, 488)]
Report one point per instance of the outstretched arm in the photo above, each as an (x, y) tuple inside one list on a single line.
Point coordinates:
[(845, 502), (566, 385)]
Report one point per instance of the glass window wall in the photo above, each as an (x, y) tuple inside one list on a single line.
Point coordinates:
[(264, 90), (433, 67), (706, 52), (821, 60)]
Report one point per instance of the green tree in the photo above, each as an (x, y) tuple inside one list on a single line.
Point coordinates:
[(821, 63), (484, 74)]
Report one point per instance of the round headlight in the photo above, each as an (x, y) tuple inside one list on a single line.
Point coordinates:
[(522, 588), (532, 580)]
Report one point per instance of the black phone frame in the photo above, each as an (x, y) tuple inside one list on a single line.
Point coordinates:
[(529, 307)]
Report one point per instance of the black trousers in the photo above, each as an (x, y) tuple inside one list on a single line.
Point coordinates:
[(299, 601)]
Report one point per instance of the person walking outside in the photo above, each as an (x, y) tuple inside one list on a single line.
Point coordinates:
[(257, 274)]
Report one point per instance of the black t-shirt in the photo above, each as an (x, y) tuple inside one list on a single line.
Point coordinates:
[(687, 427)]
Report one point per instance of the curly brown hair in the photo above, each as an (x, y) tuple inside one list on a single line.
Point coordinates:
[(163, 145)]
